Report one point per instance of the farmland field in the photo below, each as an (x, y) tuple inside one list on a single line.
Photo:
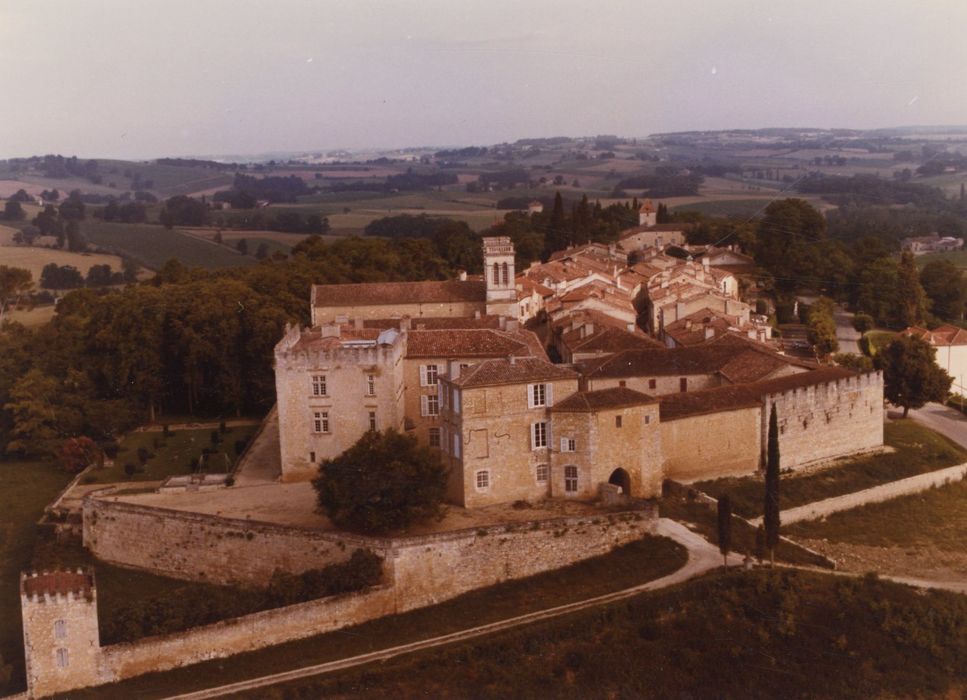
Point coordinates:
[(955, 257), (34, 259), (153, 245)]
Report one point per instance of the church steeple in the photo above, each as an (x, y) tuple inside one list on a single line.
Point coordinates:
[(498, 254)]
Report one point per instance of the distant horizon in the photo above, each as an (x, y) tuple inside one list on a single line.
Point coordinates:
[(255, 154)]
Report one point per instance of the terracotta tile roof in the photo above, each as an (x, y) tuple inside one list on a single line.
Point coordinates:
[(627, 233), (372, 293), (435, 323), (727, 398), (60, 582), (519, 371), (610, 340), (603, 399), (944, 335), (527, 286), (700, 359), (475, 342)]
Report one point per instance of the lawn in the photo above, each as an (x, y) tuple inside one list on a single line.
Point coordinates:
[(25, 488), (153, 245), (917, 450), (957, 258), (726, 207), (638, 562), (172, 455), (937, 517)]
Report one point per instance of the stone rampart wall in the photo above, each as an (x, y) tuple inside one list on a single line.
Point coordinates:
[(242, 634)]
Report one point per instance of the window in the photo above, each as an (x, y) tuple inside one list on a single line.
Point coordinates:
[(372, 420), (496, 273), (434, 437), (568, 445), (652, 383), (312, 457), (430, 405), (539, 435), (371, 385), (456, 401), (543, 472), (617, 421), (62, 659), (320, 422), (483, 480), (647, 420), (60, 629), (683, 384), (570, 479), (536, 395), (318, 385), (428, 375), (622, 383), (456, 445), (505, 275)]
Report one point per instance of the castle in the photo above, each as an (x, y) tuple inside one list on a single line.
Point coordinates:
[(451, 363)]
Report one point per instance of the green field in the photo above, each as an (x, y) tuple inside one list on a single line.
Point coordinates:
[(172, 455), (917, 450), (726, 207), (25, 488), (153, 245), (957, 258), (937, 517)]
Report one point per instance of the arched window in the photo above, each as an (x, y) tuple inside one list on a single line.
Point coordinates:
[(62, 660), (506, 277), (60, 629), (496, 273)]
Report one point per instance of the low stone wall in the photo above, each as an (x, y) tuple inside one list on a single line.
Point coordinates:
[(199, 547), (241, 634), (876, 494)]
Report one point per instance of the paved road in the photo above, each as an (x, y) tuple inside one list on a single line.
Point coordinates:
[(847, 336), (702, 557), (945, 421)]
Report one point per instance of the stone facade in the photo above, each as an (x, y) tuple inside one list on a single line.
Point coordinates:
[(331, 387), (61, 639), (712, 445)]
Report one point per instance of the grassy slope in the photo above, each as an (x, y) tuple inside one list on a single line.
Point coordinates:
[(918, 450), (153, 245), (642, 561), (25, 488), (762, 635), (937, 517)]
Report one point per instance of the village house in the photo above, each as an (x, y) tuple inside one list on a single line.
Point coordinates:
[(934, 243), (950, 342)]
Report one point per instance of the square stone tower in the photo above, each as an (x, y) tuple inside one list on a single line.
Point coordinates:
[(498, 255), (61, 641)]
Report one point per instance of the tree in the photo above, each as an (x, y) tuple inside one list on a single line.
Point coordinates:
[(770, 519), (262, 252), (385, 482), (725, 527), (912, 300), (14, 283), (12, 211), (218, 237), (911, 377), (77, 453), (242, 246), (863, 323), (822, 327), (946, 287)]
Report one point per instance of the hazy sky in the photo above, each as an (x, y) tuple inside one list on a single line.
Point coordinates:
[(147, 78)]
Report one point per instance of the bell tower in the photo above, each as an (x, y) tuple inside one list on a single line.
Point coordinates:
[(498, 255)]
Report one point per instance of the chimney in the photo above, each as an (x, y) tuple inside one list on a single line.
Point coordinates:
[(512, 360), (462, 275), (705, 262), (405, 323)]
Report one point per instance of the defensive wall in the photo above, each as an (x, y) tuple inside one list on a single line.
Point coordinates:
[(418, 571)]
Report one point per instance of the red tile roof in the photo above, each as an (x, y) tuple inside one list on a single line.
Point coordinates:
[(603, 399), (373, 293), (944, 335), (435, 322), (520, 370), (734, 397), (59, 582), (483, 342)]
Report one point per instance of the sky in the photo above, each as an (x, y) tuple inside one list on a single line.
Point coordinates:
[(146, 78)]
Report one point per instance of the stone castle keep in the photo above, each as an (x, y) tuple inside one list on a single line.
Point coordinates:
[(465, 366)]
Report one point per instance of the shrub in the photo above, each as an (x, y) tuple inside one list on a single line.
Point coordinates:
[(130, 469), (144, 455), (166, 430), (240, 446), (863, 322)]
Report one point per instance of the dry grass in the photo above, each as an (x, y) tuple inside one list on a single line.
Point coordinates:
[(34, 259)]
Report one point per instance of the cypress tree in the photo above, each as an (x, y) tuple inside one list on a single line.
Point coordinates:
[(725, 528), (771, 510), (556, 237)]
